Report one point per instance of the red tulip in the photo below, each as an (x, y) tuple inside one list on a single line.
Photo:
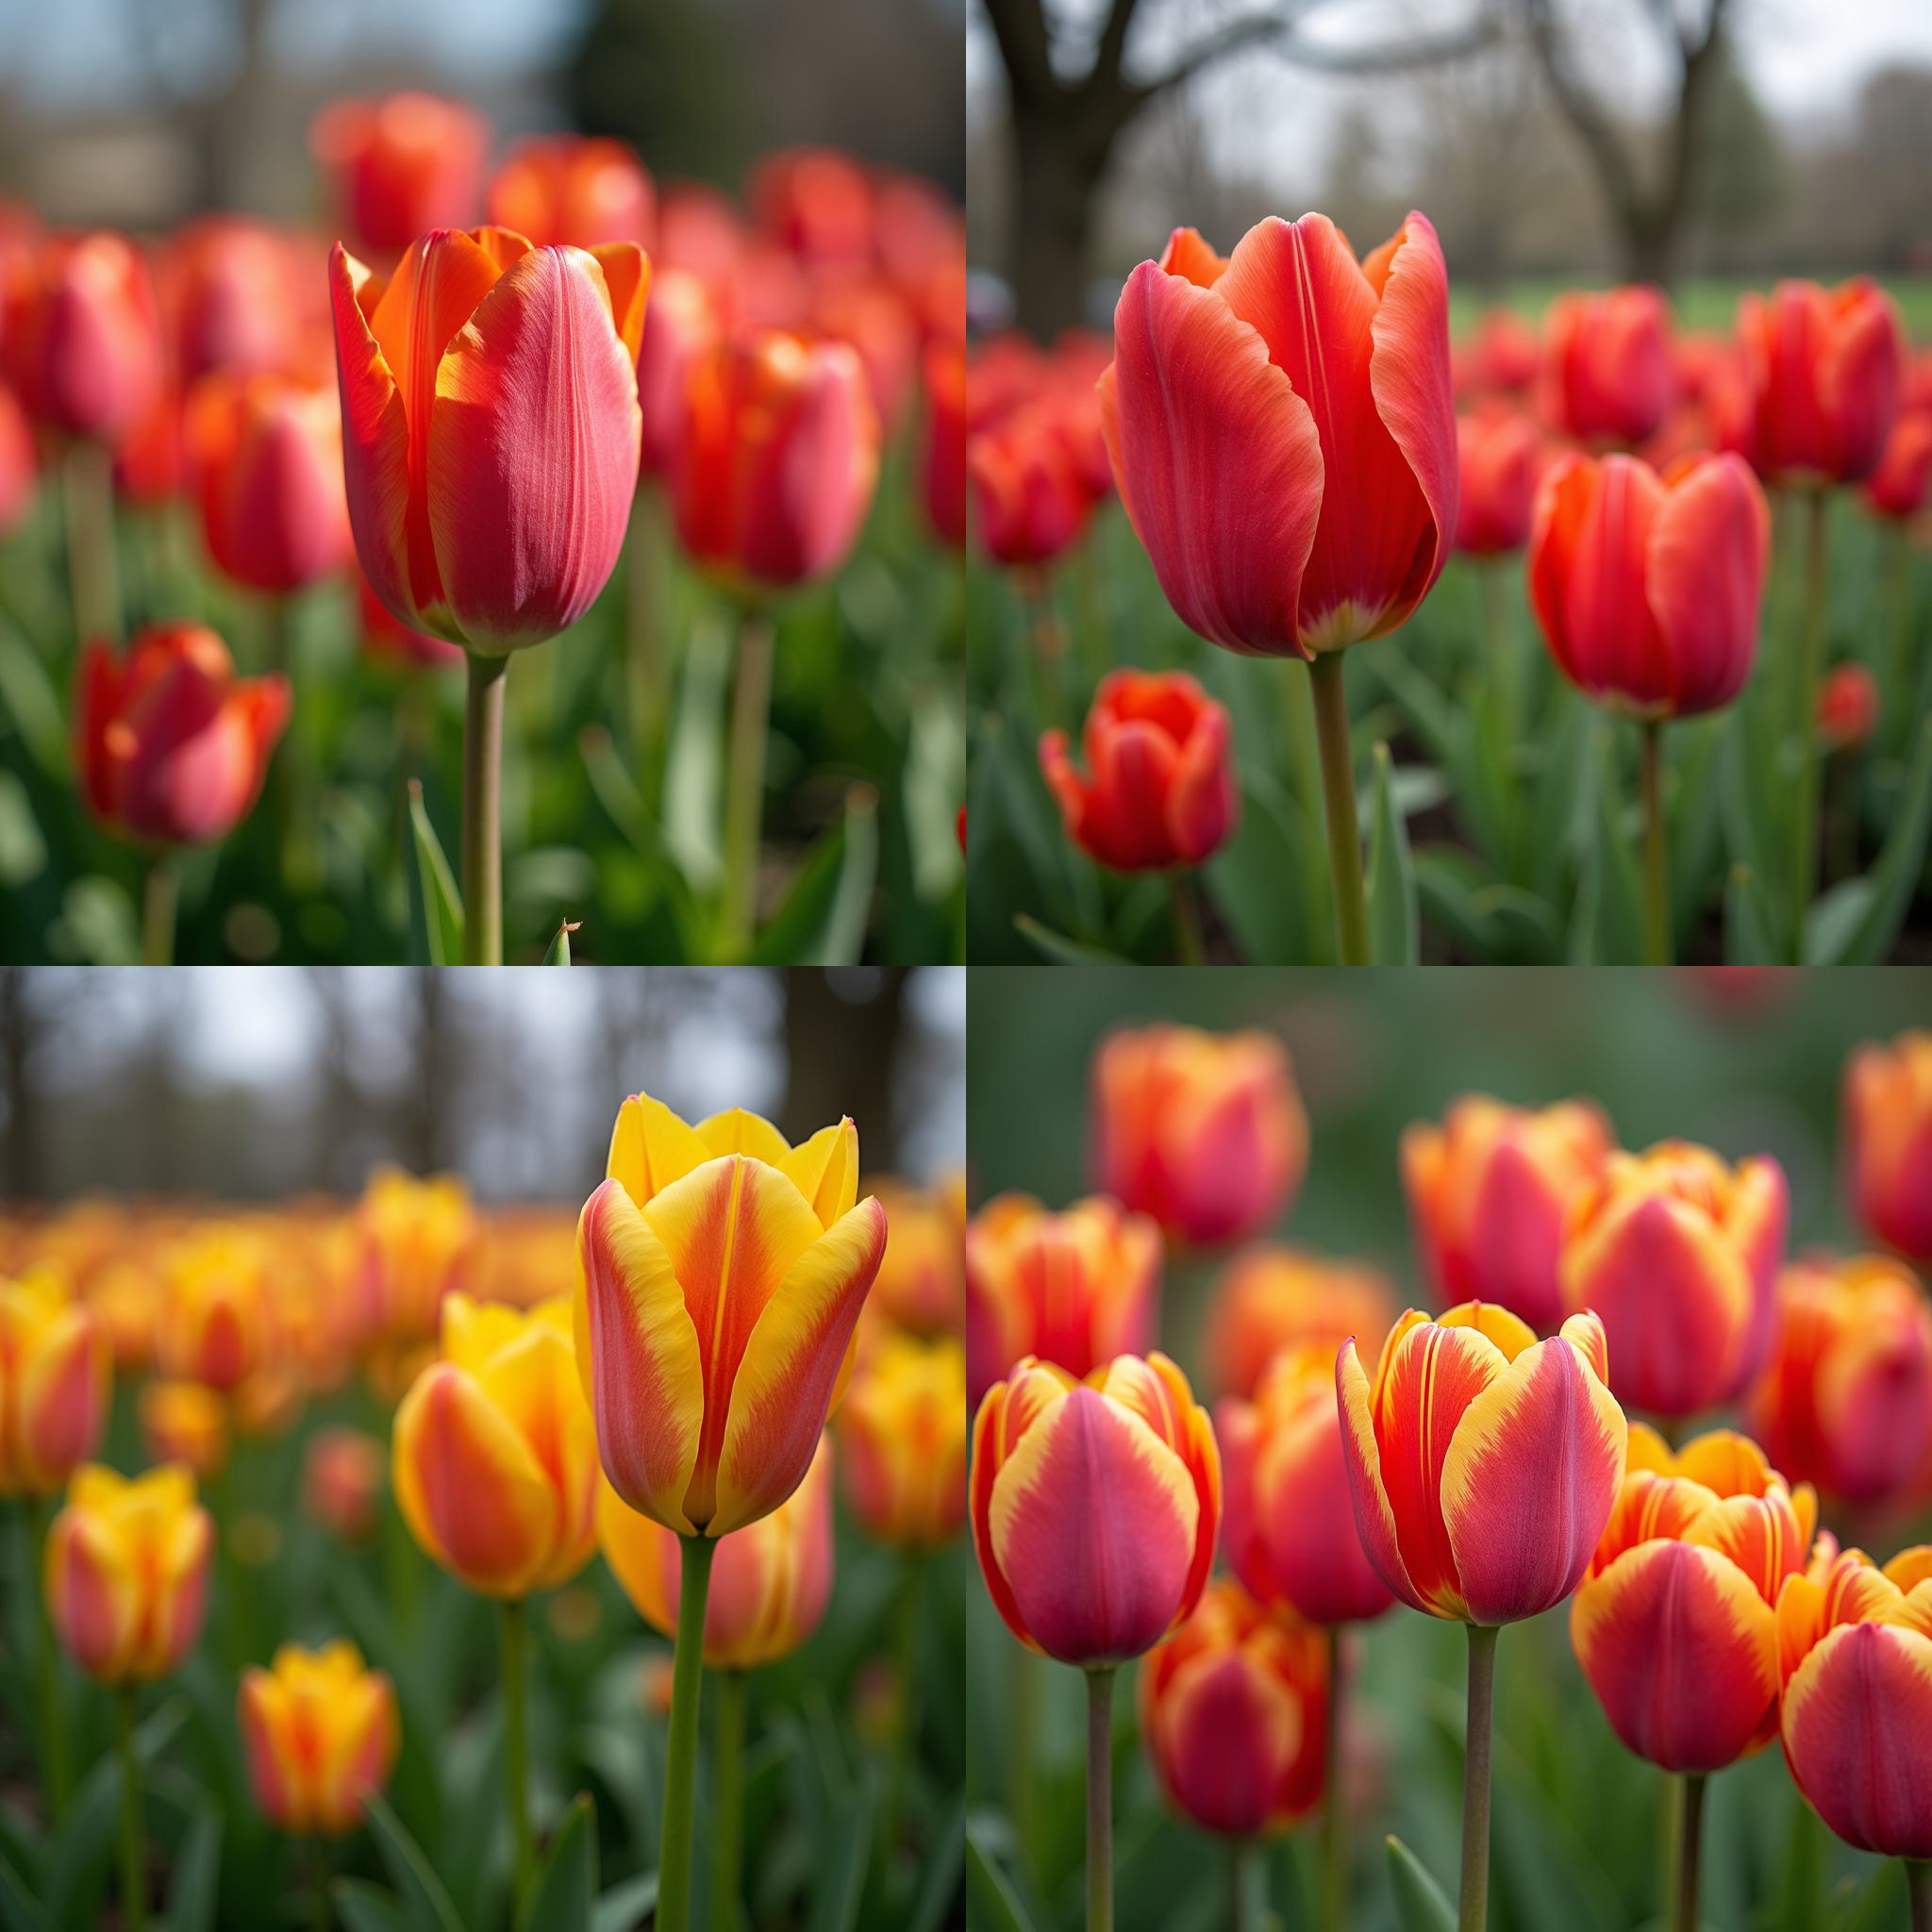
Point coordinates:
[(402, 165), (232, 295), (1847, 707), (17, 466), (942, 443), (1030, 493), (1498, 451), (1503, 354), (1275, 1298), (1897, 487), (869, 314), (1888, 1141), (1607, 369), (816, 202), (681, 325), (571, 189), (1283, 432), (82, 336), (699, 230)]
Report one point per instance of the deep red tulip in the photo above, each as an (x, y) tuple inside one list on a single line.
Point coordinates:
[(17, 467), (1503, 356), (402, 165), (1498, 451), (816, 202), (81, 336), (1031, 497), (568, 188), (942, 443), (1847, 707), (233, 296), (1897, 487), (1607, 371)]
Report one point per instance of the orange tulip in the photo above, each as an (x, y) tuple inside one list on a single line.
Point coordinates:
[(1499, 453), (1203, 1131), (1897, 487), (1483, 1462), (1847, 707), (415, 1241), (320, 1735), (343, 1476), (1234, 1713), (901, 1438), (681, 326), (921, 1284), (81, 336), (401, 165), (1888, 1141), (1095, 1506), (185, 1422), (1609, 375), (719, 1276), (218, 1308), (56, 1373), (1676, 1627), (1271, 1298), (568, 189)]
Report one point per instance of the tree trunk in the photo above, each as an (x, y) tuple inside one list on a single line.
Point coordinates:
[(1057, 168), (842, 1038), (1649, 250)]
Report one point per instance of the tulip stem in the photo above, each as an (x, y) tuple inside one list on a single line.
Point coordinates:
[(483, 811), (87, 484), (1242, 1863), (133, 1857), (681, 1770), (1688, 1850), (744, 801), (906, 1702), (159, 890), (1657, 891), (1337, 789), (1100, 1800), (1305, 774), (37, 1519), (1918, 1889), (644, 570), (1812, 668), (1474, 1913), (516, 1747), (1186, 920), (728, 1804), (1334, 1815)]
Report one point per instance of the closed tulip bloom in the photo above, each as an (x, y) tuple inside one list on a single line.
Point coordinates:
[(490, 428), (81, 336), (902, 1439), (1095, 1506), (1678, 1254), (402, 165), (942, 442), (1855, 1651), (1031, 498), (217, 1322), (681, 325), (1270, 1298), (171, 746), (18, 466), (1609, 375), (1676, 1627), (56, 1373), (769, 1581), (1845, 1399), (816, 201), (1647, 586), (414, 1242), (719, 1275), (570, 188), (1158, 790), (320, 1735), (1074, 1288), (126, 1572), (1234, 1713), (1204, 1131), (1488, 1192), (1897, 487), (1499, 452), (1847, 707), (1291, 1534), (1504, 355), (185, 1422), (1483, 1462), (495, 1458), (1886, 1116), (342, 1478), (232, 295), (921, 1284)]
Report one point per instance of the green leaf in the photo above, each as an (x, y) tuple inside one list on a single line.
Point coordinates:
[(1608, 929), (990, 1902), (27, 697), (1394, 926), (694, 771), (197, 1881), (559, 953), (938, 1893), (366, 1908), (437, 904), (1257, 878), (83, 1851), (1697, 822), (421, 1890), (1749, 823), (824, 918), (18, 1906), (1062, 951), (840, 1889), (1420, 1902), (1835, 938), (1747, 922), (624, 1907), (567, 1881)]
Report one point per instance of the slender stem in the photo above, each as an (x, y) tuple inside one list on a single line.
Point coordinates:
[(1804, 819), (1338, 790), (160, 891), (905, 1709), (88, 480), (516, 1747), (483, 811), (1186, 919), (1024, 1691), (133, 1858), (1242, 1863), (319, 1908), (1305, 774), (1918, 1889), (681, 1770), (727, 1805), (1657, 892), (1334, 1805), (1100, 1800), (1474, 1912), (744, 801), (1690, 1847), (55, 1770)]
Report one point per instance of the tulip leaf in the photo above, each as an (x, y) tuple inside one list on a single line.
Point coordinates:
[(1881, 1906), (938, 1892), (567, 1880), (1062, 951), (421, 1890), (1608, 928), (438, 907), (1258, 880), (559, 953), (196, 1886), (17, 1904), (1394, 925), (1859, 929), (367, 1909), (1747, 920), (1420, 1902), (1749, 822), (27, 698), (83, 1851), (991, 1904), (824, 918), (840, 1889), (624, 1907), (694, 771), (1697, 822)]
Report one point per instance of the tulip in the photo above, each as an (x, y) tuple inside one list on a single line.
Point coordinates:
[(185, 1422), (816, 202), (1205, 1132), (719, 1276), (320, 1735), (901, 1433), (1076, 1289), (1498, 451), (1847, 707), (942, 447), (1030, 498), (218, 1301), (55, 1371), (401, 165), (1283, 433), (1607, 371), (82, 336), (921, 1284), (489, 442), (1504, 355), (414, 1240), (384, 637), (342, 1478), (1888, 1139), (568, 188), (1488, 1192), (1896, 488), (18, 477), (233, 297), (1273, 1298), (681, 326)]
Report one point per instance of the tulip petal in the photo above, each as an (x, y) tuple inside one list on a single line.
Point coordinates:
[(627, 281), (1374, 1517), (650, 1148), (738, 1131), (826, 1169), (94, 1597), (1704, 573), (989, 1453)]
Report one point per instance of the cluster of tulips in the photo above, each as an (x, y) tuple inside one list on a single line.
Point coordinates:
[(670, 1411), (1300, 447), (1475, 1465), (496, 386)]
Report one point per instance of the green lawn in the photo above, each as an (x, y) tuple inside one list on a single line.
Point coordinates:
[(1702, 302)]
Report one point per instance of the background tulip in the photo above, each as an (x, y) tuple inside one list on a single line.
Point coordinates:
[(414, 1242), (82, 336), (17, 464), (402, 165), (217, 1318), (342, 1478), (901, 1437), (235, 296), (55, 1371), (681, 324), (1498, 453), (1608, 376), (1031, 500), (942, 443), (1897, 486), (1271, 1299), (320, 1735), (921, 1284), (566, 188), (1847, 707), (185, 1422), (1888, 1141)]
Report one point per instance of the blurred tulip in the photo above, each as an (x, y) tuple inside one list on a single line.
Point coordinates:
[(719, 1275), (1498, 451), (80, 337), (681, 326), (1897, 487), (1076, 1289), (1095, 1506), (1483, 1462), (55, 1377), (1676, 1627), (1678, 1254), (869, 314), (1291, 1534), (171, 746), (1234, 1714), (126, 1572), (342, 1478), (1888, 1141), (568, 188), (902, 1440), (232, 298), (1609, 375), (320, 1734), (1160, 792), (1847, 707), (942, 444), (415, 1241), (1488, 1192), (769, 1581), (495, 1458), (1271, 1298), (402, 165), (18, 468), (816, 202), (218, 1308), (1030, 498), (1203, 1131), (921, 1282), (1503, 354), (185, 1422), (700, 231)]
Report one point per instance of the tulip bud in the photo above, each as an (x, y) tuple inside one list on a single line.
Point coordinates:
[(681, 326), (1095, 1506), (1030, 497), (1275, 1298), (401, 165), (18, 470), (1897, 487), (1504, 355), (1234, 1714), (1847, 707), (82, 336), (185, 1422), (1607, 371), (942, 443), (233, 298), (1499, 454), (56, 1373), (343, 1476), (1888, 1141), (1203, 1131), (1675, 1626), (320, 1734), (901, 1437), (568, 189), (1483, 1463), (126, 1572), (921, 1284)]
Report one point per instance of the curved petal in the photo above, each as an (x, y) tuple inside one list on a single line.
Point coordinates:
[(1704, 574), (1374, 1520), (650, 1148), (826, 1169)]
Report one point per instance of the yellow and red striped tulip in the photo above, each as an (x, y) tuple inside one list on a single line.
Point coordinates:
[(1888, 1141), (902, 1439), (1483, 1462), (1290, 1533), (1488, 1195), (719, 1275), (1095, 1506), (217, 1313), (126, 1572), (1675, 1626), (1074, 1288), (584, 191), (1854, 1653), (342, 1476), (1270, 1298), (769, 1581), (56, 1373), (1234, 1713), (320, 1734), (922, 1279), (401, 165), (415, 1241), (494, 1457), (185, 1422), (1204, 1131)]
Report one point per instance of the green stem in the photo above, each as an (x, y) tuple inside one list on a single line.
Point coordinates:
[(1024, 1691), (159, 892), (1334, 1811), (88, 483), (133, 1858), (1473, 1915), (1338, 790), (744, 802), (1918, 1889), (644, 577), (1811, 668), (483, 811), (512, 1635), (1657, 892), (1242, 1863), (1305, 774), (54, 1771), (905, 1710), (681, 1770), (727, 1808), (1186, 919), (1688, 1850), (1100, 1800)]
